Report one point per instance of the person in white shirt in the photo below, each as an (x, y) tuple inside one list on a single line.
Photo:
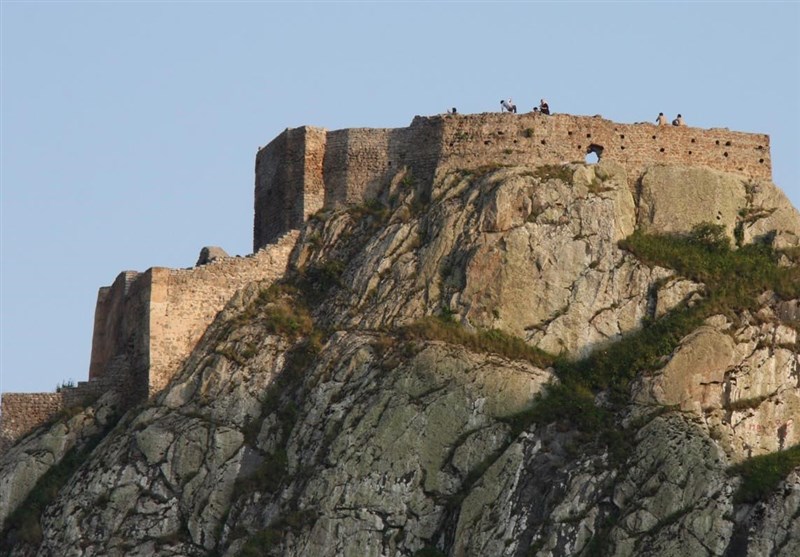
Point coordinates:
[(508, 106)]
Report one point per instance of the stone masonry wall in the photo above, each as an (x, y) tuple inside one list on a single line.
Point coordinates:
[(109, 329), (538, 139), (184, 302), (22, 412), (146, 325), (358, 164)]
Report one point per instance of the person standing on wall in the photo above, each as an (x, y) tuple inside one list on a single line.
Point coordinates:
[(678, 121), (661, 120)]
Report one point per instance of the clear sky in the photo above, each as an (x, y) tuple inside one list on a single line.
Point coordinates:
[(129, 129)]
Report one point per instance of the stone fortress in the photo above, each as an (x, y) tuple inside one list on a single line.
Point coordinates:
[(146, 324)]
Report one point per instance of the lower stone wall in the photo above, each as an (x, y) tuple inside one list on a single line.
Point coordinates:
[(184, 302), (21, 413)]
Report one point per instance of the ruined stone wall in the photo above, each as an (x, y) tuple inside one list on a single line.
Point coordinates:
[(472, 141), (184, 302), (146, 326), (109, 330), (22, 412), (354, 165), (294, 157)]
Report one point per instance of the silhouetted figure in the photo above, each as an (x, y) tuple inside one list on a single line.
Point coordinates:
[(544, 108), (508, 106), (678, 121), (661, 120), (453, 111)]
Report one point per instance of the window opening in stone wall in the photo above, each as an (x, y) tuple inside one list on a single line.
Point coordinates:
[(593, 153)]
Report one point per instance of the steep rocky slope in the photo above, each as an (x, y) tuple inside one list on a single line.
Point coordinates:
[(494, 364)]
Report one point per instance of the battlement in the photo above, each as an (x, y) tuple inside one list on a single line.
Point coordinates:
[(307, 168)]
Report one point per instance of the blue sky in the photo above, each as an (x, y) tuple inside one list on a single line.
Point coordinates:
[(129, 129)]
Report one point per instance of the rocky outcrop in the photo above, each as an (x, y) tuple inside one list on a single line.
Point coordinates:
[(319, 417), (209, 254), (674, 199), (24, 464)]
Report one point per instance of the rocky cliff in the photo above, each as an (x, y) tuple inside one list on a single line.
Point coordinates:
[(516, 361)]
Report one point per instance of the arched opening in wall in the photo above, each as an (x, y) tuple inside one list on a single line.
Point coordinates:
[(593, 153)]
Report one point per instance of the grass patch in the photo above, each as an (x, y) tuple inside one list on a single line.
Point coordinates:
[(745, 403), (554, 172), (733, 278), (761, 475), (444, 328)]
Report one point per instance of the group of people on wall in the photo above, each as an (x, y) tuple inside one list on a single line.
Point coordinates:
[(509, 106), (544, 108), (662, 120)]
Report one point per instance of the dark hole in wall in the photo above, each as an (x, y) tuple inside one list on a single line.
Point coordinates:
[(569, 133), (588, 135), (654, 137), (717, 141), (594, 153), (544, 142), (690, 152), (694, 140), (727, 143), (761, 161), (725, 154), (622, 136), (661, 150)]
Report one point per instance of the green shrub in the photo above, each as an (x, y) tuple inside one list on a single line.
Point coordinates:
[(761, 475), (734, 279)]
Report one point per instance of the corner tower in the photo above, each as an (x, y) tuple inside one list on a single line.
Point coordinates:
[(289, 185)]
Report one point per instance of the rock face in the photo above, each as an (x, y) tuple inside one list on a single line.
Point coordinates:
[(320, 416), (673, 199)]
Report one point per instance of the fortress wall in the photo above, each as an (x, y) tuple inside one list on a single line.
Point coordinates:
[(360, 163), (313, 160), (476, 140), (279, 187), (184, 302), (108, 337), (357, 165), (22, 412)]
